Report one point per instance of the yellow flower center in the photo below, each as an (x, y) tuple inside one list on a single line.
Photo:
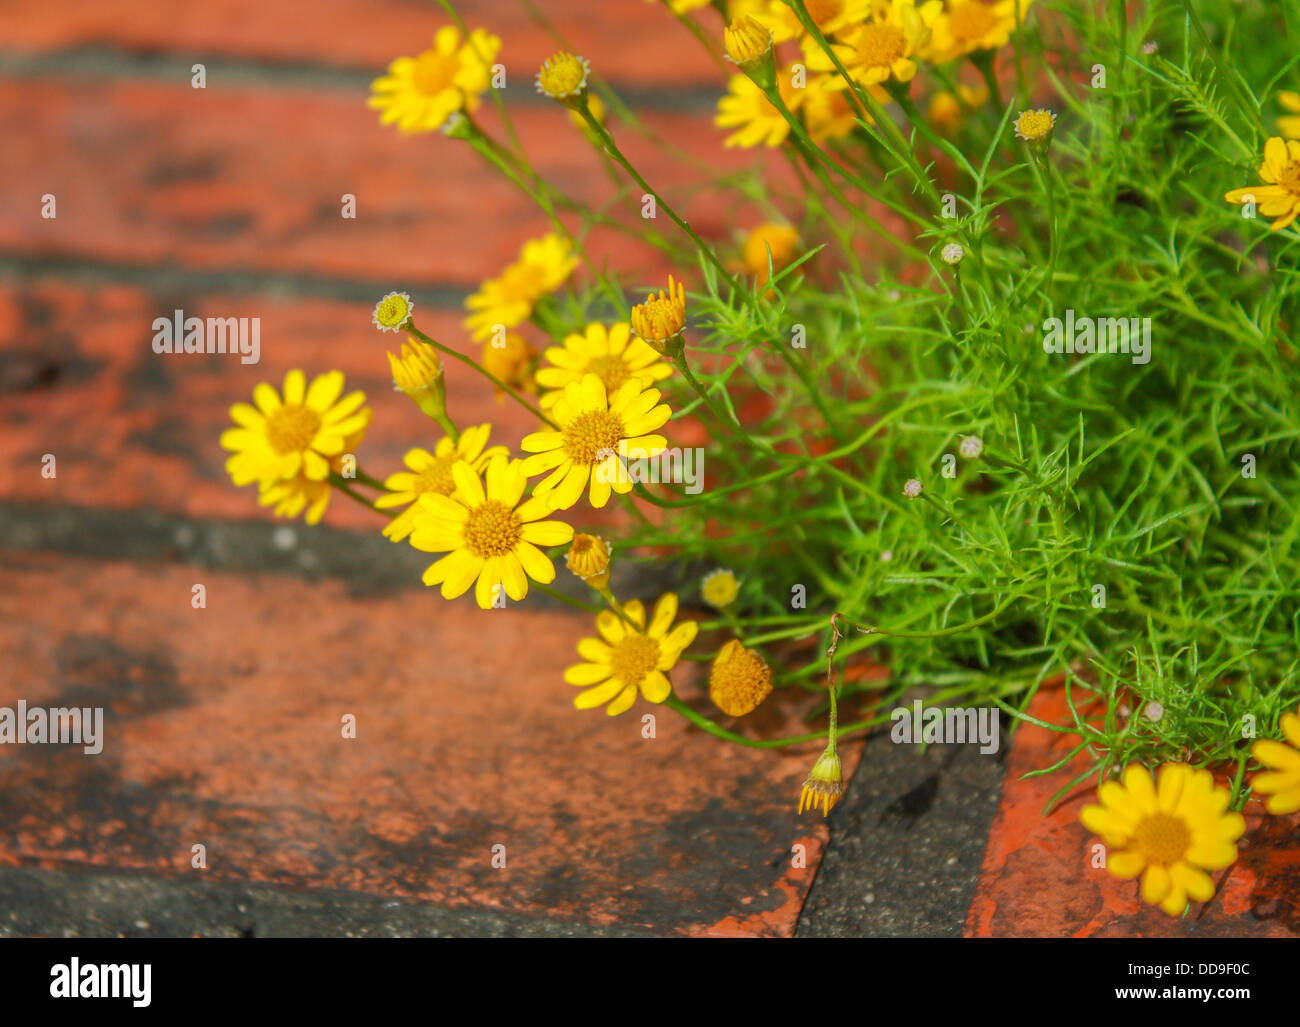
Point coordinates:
[(563, 75), (292, 428), (587, 434), (1162, 839), (972, 22), (612, 371), (739, 680), (1290, 178), (634, 658), (492, 529), (436, 477), (393, 311), (434, 72), (880, 46), (1034, 124)]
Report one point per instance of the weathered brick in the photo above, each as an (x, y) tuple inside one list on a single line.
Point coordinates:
[(1038, 879), (222, 728)]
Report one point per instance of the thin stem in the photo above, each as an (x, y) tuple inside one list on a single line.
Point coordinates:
[(410, 327)]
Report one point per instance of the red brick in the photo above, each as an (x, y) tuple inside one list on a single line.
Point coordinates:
[(1038, 881), (222, 728), (628, 41), (231, 177)]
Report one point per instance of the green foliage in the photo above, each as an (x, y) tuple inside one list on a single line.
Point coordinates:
[(1096, 470)]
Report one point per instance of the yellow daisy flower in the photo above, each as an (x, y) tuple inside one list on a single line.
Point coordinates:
[(831, 16), (1281, 782), (1035, 126), (745, 108), (883, 47), (615, 355), (431, 473), (1280, 198), (827, 113), (781, 240), (489, 537), (278, 437), (597, 430), (719, 588), (630, 657), (946, 110), (508, 299), (969, 25), (420, 93), (1287, 125), (1170, 831)]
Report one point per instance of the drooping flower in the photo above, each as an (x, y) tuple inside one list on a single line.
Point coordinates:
[(1279, 198), (719, 588), (1281, 782), (748, 43), (588, 559), (1170, 832), (739, 679), (596, 431), (431, 473), (418, 374), (277, 437), (490, 538), (508, 299), (825, 782), (612, 354), (420, 93), (628, 658)]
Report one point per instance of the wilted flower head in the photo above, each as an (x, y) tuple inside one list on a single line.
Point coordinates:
[(825, 783)]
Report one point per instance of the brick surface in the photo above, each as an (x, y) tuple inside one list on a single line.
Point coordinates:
[(1038, 879), (222, 728), (251, 178), (629, 41)]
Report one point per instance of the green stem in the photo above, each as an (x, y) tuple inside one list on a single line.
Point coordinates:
[(410, 327), (704, 248)]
